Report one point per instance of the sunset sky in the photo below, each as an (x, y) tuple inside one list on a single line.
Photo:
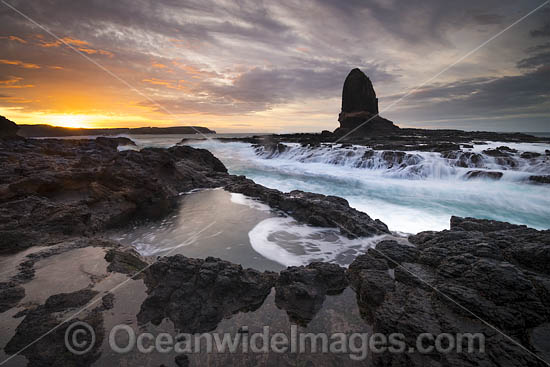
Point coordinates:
[(274, 66)]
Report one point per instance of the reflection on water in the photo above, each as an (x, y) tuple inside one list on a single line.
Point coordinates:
[(339, 314), (244, 231), (207, 223)]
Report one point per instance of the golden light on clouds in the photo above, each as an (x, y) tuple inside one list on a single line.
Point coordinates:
[(14, 82), (25, 65)]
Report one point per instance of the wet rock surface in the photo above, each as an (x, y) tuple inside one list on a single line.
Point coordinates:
[(52, 189), (197, 294), (125, 261), (10, 295), (492, 175), (315, 209), (459, 280), (48, 319), (404, 139), (301, 290), (540, 179)]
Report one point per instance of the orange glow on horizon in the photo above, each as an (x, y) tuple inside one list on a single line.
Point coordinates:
[(69, 120)]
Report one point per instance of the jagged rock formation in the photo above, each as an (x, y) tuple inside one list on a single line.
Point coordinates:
[(450, 281), (359, 104), (45, 319), (7, 128), (315, 209)]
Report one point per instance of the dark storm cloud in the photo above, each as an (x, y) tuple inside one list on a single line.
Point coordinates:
[(535, 61), (482, 98), (544, 30)]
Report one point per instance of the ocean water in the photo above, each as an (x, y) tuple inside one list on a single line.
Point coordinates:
[(419, 193), (410, 192), (236, 228)]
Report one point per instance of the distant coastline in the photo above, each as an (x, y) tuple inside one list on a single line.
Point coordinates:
[(33, 131)]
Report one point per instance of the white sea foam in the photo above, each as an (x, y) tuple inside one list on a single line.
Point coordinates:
[(417, 197), (283, 240), (248, 201), (416, 164)]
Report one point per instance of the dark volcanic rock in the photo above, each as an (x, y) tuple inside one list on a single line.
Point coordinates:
[(7, 128), (270, 150), (50, 349), (502, 151), (301, 290), (360, 105), (530, 155), (492, 175), (197, 294), (126, 261), (398, 139), (10, 295), (182, 361), (365, 123), (478, 269), (315, 209), (540, 179), (50, 189), (358, 93), (464, 159)]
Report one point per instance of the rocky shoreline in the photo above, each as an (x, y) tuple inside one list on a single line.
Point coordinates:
[(58, 197)]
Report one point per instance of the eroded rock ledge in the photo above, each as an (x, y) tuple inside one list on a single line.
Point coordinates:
[(52, 189), (451, 281), (315, 209)]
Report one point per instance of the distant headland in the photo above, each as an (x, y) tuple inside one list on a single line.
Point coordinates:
[(32, 131)]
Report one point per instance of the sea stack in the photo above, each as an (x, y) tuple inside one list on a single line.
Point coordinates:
[(360, 108), (358, 93)]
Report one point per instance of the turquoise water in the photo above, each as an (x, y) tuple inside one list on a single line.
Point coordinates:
[(405, 202), (418, 198)]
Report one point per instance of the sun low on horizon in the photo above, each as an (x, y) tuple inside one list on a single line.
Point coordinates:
[(271, 67)]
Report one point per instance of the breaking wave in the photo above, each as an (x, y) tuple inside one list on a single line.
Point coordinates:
[(469, 163)]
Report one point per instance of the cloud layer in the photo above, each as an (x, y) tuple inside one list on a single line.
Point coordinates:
[(253, 65)]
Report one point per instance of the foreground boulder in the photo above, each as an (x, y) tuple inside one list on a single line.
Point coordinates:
[(51, 189), (476, 274), (46, 321), (197, 294)]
